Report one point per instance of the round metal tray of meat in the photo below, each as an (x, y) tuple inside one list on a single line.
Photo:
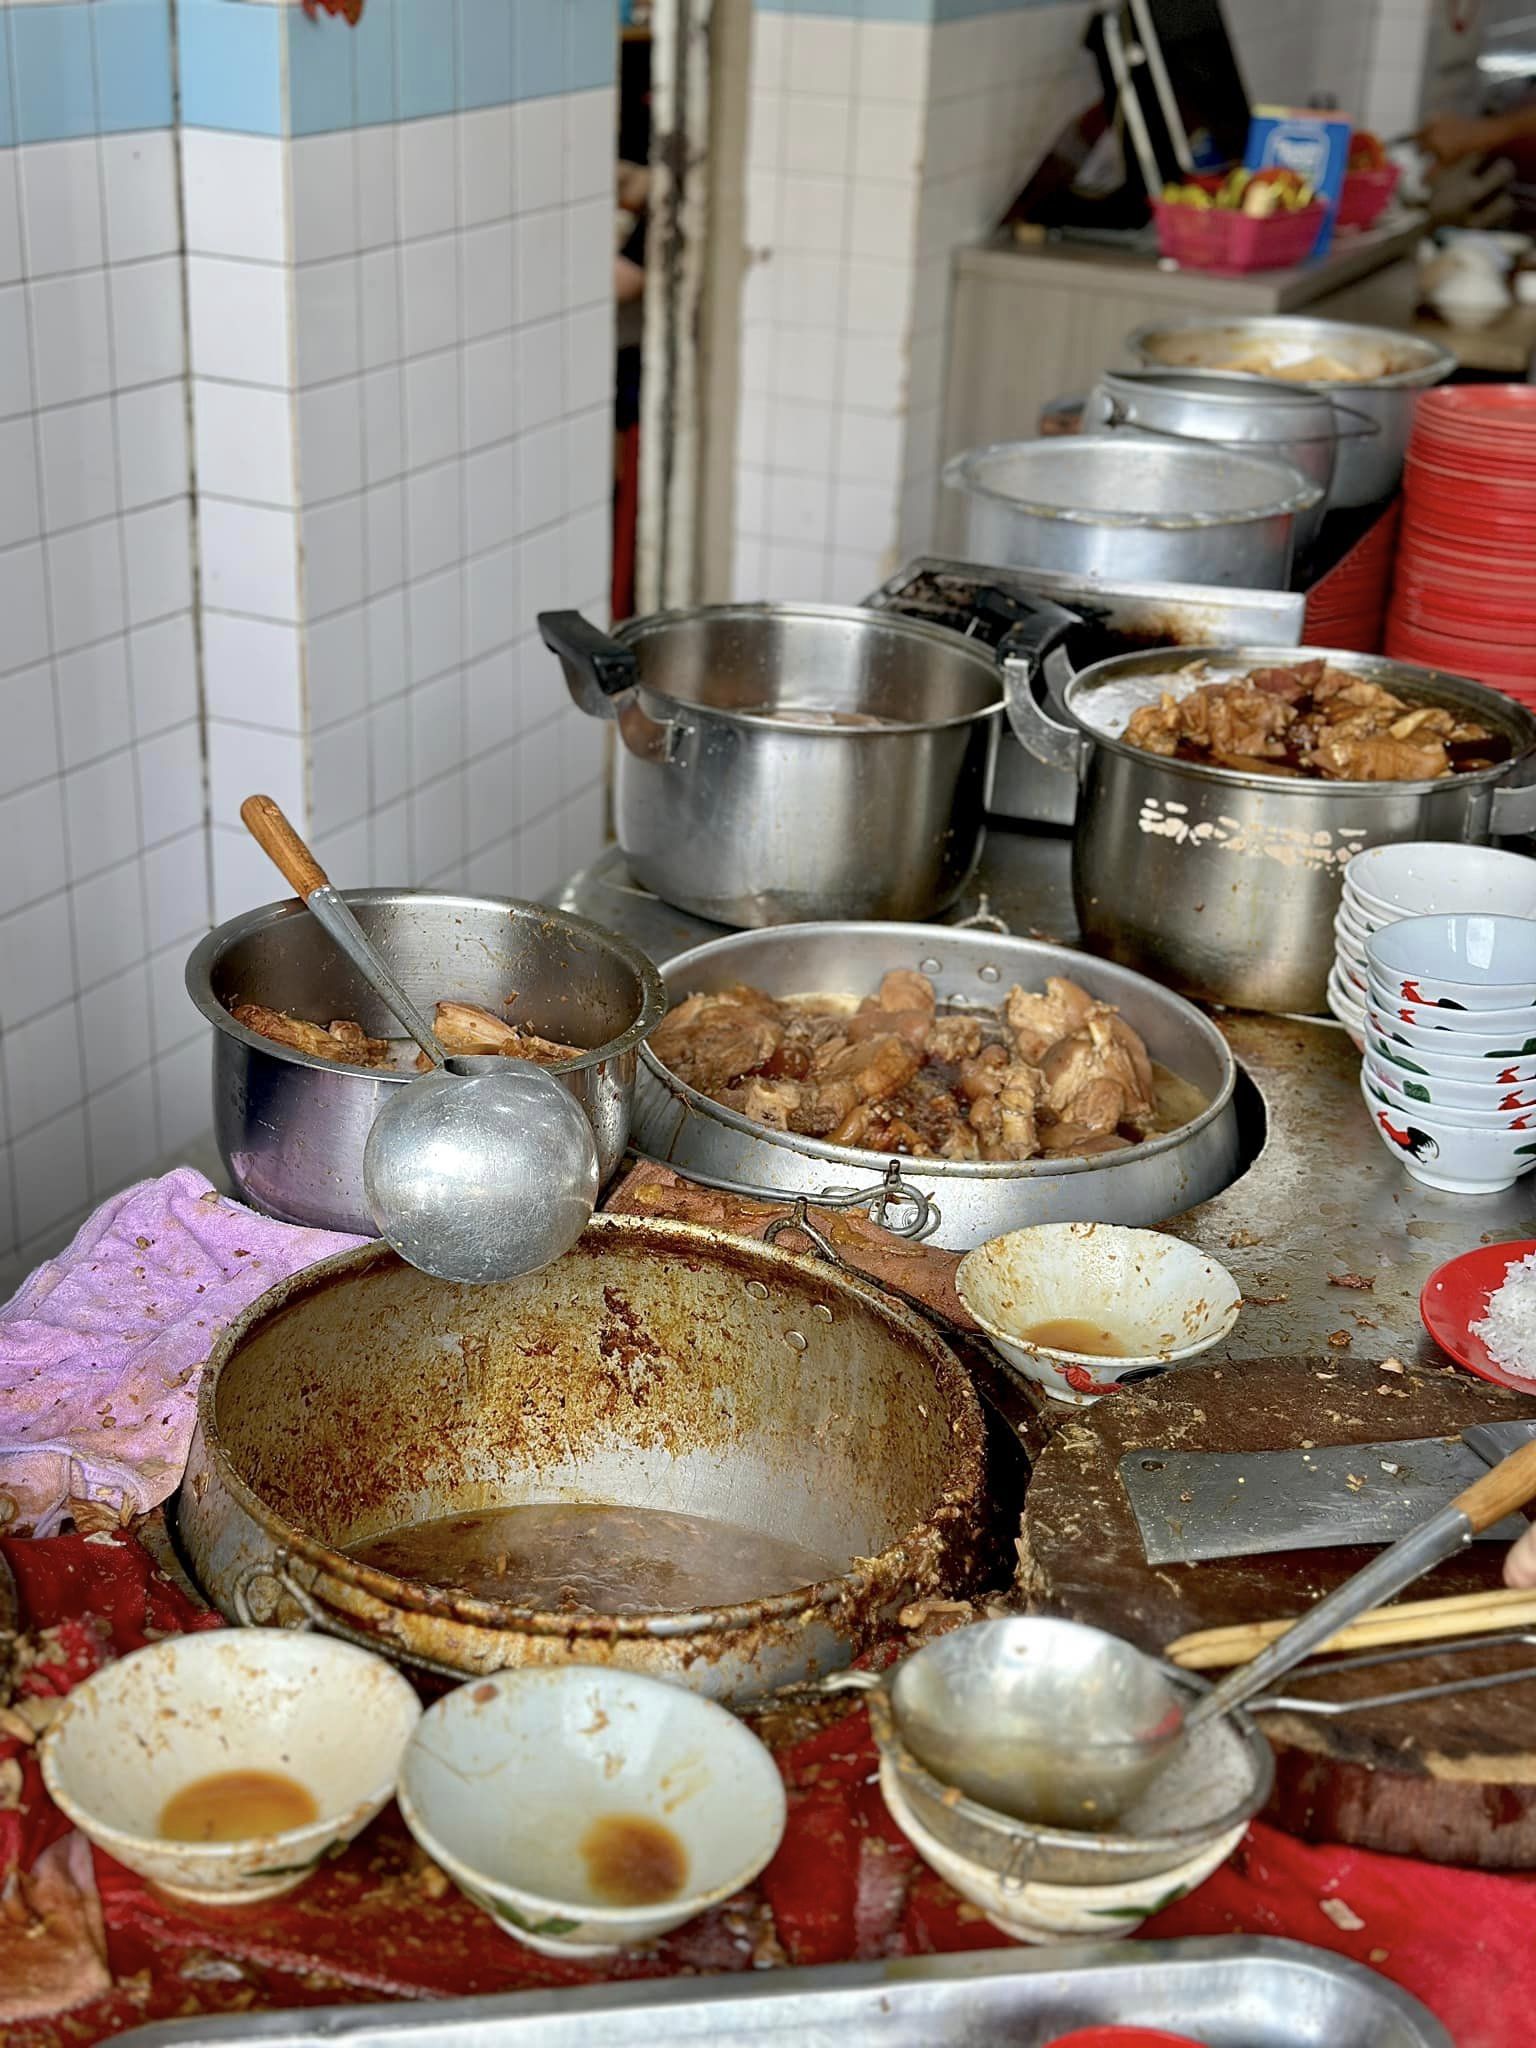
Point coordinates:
[(971, 972)]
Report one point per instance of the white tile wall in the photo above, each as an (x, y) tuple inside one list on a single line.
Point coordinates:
[(103, 860)]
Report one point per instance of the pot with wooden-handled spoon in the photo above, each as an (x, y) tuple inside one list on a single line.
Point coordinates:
[(1089, 1719), (483, 1168)]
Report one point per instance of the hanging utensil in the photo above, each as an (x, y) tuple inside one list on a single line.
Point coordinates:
[(485, 1167)]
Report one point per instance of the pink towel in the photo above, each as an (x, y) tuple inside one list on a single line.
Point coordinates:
[(101, 1349)]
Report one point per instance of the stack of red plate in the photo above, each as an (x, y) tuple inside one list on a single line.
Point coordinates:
[(1346, 607), (1464, 598)]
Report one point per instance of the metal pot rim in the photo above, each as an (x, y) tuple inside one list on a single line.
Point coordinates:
[(960, 475), (1266, 393), (213, 945), (963, 1455), (1061, 959), (1112, 1841), (1435, 365), (1283, 657), (635, 630)]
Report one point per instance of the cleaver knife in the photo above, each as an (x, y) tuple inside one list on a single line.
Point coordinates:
[(1191, 1505)]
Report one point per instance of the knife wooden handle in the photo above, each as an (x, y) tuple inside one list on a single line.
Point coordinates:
[(269, 827), (1508, 1486)]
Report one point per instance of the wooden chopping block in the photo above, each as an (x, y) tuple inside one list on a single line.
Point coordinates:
[(1452, 1780)]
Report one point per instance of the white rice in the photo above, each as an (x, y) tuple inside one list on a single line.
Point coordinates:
[(1509, 1327)]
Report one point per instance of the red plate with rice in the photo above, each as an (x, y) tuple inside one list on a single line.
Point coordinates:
[(1460, 1293)]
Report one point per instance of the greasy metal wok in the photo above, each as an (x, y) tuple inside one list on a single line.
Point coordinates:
[(657, 1365)]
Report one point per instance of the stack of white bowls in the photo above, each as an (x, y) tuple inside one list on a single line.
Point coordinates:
[(1417, 879), (1449, 1074)]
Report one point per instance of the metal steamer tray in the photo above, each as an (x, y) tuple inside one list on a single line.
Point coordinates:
[(1231, 1993), (974, 599)]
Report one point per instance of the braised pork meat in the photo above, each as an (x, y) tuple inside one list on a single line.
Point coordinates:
[(1314, 722), (1055, 1073), (461, 1027)]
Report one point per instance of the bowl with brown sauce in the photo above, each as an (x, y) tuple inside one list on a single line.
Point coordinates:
[(1083, 1308), (588, 1809), (224, 1767)]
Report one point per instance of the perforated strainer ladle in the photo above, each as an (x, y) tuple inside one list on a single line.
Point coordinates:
[(480, 1170), (1098, 1716)]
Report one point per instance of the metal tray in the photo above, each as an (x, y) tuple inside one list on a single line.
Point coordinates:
[(1228, 1993)]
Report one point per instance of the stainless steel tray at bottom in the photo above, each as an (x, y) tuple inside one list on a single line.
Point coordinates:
[(1227, 1993)]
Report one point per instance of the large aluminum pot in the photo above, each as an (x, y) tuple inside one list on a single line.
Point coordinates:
[(1226, 884), (1152, 512), (1392, 369), (291, 1129), (1250, 415), (658, 1365), (780, 762), (969, 970)]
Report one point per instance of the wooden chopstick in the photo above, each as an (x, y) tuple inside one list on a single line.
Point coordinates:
[(1407, 1621)]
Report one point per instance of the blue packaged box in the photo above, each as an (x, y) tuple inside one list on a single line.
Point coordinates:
[(1314, 145)]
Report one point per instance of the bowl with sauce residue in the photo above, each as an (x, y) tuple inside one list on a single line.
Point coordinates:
[(1083, 1308), (588, 1809), (223, 1767)]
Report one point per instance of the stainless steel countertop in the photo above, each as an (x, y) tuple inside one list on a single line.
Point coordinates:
[(1322, 1198)]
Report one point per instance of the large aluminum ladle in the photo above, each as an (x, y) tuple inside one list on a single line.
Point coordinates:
[(1050, 1719), (483, 1168)]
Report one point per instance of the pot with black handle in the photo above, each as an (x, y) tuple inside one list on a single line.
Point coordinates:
[(779, 764)]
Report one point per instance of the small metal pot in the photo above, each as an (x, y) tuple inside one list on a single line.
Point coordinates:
[(291, 1129), (783, 762), (974, 1200), (1250, 415), (657, 1365), (1113, 506), (1368, 469), (1226, 884)]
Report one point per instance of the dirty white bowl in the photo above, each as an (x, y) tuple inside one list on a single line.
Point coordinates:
[(306, 1707), (504, 1778), (1162, 1299), (1044, 1913), (1416, 878)]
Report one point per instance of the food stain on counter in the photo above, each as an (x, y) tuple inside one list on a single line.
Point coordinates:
[(237, 1806), (633, 1860)]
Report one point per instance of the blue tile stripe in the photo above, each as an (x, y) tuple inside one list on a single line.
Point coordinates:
[(902, 10), (405, 60), (102, 67)]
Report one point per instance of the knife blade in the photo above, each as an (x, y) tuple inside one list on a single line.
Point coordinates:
[(1194, 1505)]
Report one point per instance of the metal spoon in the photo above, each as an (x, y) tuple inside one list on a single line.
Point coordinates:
[(484, 1168)]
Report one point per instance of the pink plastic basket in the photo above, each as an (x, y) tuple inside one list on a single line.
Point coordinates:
[(1225, 240), (1364, 197)]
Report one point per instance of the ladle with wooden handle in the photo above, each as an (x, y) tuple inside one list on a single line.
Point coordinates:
[(483, 1168)]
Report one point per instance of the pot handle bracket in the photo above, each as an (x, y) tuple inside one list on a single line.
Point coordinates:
[(1513, 812), (274, 1572), (603, 678), (1022, 659)]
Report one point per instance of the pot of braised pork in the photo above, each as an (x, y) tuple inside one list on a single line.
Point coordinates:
[(1006, 1081), (1223, 791)]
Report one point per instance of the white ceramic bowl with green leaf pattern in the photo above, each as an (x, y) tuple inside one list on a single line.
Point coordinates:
[(536, 1790)]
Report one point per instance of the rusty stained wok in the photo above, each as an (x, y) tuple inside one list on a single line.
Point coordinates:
[(658, 1364)]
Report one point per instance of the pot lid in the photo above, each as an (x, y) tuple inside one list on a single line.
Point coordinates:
[(1117, 480)]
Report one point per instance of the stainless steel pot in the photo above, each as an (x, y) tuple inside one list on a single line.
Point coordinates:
[(1250, 415), (1112, 506), (1367, 470), (1226, 884), (739, 794), (969, 969), (1135, 614), (291, 1129), (658, 1365)]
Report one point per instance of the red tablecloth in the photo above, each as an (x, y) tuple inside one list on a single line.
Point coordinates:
[(381, 1923)]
